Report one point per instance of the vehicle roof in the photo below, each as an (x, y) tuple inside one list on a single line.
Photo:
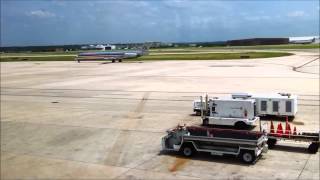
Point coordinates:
[(227, 99), (232, 99), (275, 96), (267, 95), (251, 96)]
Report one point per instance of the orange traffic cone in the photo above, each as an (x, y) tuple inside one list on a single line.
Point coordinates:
[(294, 131), (271, 128), (288, 130), (287, 123), (289, 127), (279, 130)]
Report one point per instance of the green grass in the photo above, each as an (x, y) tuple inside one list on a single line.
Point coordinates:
[(23, 55), (206, 56), (267, 47), (175, 50), (58, 58), (67, 53), (213, 56), (282, 46), (39, 53)]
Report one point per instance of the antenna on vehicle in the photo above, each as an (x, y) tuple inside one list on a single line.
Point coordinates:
[(206, 103), (201, 105)]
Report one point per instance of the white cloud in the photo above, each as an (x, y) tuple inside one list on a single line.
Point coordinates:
[(296, 14), (41, 14)]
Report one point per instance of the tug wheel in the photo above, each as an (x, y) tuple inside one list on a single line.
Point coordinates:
[(188, 150), (247, 157), (240, 125), (313, 147), (271, 143)]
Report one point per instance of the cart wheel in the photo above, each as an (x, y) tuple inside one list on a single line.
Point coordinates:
[(271, 143), (188, 150), (313, 147), (247, 157), (240, 125)]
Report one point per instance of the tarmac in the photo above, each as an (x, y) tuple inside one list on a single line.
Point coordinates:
[(101, 120)]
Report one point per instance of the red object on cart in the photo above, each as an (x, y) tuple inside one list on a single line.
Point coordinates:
[(271, 128), (279, 130)]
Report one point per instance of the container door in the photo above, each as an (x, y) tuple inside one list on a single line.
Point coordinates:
[(275, 107), (263, 107), (288, 107)]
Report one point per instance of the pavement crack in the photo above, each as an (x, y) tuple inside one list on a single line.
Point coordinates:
[(305, 164)]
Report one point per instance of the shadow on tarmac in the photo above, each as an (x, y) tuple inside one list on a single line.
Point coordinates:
[(203, 156), (288, 148)]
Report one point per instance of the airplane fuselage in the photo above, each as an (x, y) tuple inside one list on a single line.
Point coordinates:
[(108, 55)]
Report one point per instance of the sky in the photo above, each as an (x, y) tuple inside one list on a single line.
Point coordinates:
[(58, 22)]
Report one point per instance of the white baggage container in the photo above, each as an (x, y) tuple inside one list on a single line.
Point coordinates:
[(279, 104), (231, 112), (232, 108)]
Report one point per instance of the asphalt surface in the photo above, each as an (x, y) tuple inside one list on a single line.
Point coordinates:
[(105, 120)]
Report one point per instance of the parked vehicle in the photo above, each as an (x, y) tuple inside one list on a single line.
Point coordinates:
[(309, 137), (188, 140), (279, 104), (289, 134), (197, 107), (231, 112)]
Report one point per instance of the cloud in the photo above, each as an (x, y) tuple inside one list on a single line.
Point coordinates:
[(41, 14), (115, 21), (296, 14)]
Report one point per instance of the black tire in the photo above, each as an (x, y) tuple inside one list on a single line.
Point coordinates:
[(271, 143), (313, 147), (205, 122), (291, 118), (113, 61), (120, 60), (247, 157), (240, 125), (188, 150)]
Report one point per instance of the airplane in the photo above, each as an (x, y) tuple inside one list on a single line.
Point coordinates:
[(109, 55)]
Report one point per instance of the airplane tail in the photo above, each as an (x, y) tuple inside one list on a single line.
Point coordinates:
[(145, 50)]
